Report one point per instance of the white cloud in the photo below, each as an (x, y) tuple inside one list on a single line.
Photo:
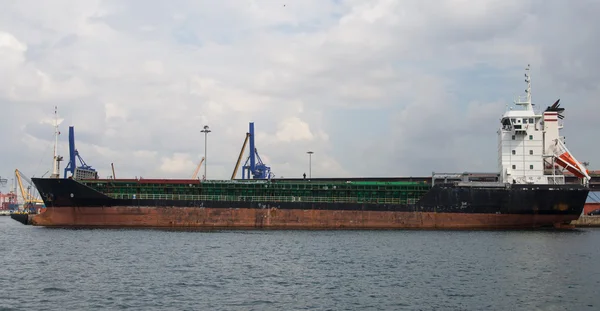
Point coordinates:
[(293, 129), (114, 110), (9, 44), (374, 88), (179, 163)]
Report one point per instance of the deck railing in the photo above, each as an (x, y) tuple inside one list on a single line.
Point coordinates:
[(263, 198)]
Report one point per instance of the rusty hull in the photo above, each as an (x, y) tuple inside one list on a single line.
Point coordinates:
[(272, 218)]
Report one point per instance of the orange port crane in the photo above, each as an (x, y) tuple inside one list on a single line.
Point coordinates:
[(27, 197), (195, 175)]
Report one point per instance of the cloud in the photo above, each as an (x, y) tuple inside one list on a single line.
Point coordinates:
[(293, 129), (179, 163), (375, 88), (25, 82)]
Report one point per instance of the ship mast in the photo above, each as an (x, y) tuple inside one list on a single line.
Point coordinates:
[(527, 102), (57, 158)]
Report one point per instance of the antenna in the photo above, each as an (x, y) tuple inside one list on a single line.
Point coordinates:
[(527, 100), (528, 81), (57, 158)]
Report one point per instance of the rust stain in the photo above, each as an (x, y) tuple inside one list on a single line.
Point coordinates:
[(273, 218), (561, 207)]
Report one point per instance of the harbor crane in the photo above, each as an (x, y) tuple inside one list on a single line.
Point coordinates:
[(83, 171), (254, 168), (29, 201), (195, 175), (8, 201)]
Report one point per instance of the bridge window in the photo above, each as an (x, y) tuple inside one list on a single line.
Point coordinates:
[(514, 152), (530, 152), (530, 137), (531, 167), (531, 120), (514, 167), (513, 137)]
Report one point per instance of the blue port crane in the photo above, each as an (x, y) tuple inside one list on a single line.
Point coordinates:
[(254, 168), (83, 171)]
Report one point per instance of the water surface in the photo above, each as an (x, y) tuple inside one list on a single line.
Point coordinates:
[(58, 269)]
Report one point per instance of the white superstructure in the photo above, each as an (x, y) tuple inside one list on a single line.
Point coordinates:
[(530, 149)]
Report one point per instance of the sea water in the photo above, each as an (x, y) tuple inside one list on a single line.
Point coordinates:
[(110, 269)]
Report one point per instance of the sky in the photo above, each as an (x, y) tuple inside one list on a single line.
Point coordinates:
[(373, 88)]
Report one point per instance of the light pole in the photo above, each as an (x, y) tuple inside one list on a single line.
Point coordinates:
[(206, 130), (310, 164)]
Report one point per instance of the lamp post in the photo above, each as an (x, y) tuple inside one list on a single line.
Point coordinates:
[(310, 164), (206, 130)]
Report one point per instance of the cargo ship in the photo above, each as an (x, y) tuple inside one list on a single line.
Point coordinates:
[(527, 191)]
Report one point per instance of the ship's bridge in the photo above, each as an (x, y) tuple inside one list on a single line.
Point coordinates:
[(520, 120)]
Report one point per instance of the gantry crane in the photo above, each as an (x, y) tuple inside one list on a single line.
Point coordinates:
[(8, 201), (254, 168), (83, 171)]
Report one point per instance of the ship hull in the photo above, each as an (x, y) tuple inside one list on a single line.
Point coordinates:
[(451, 206), (273, 218)]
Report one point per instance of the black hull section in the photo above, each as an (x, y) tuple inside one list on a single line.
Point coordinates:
[(22, 218), (566, 199)]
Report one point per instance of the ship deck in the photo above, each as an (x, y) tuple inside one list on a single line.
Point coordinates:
[(569, 179)]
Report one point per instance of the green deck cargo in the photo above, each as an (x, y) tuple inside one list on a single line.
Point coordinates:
[(259, 190)]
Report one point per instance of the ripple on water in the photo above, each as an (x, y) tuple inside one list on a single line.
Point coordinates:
[(59, 269)]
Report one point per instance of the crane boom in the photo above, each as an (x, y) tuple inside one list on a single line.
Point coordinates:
[(197, 169), (237, 164)]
